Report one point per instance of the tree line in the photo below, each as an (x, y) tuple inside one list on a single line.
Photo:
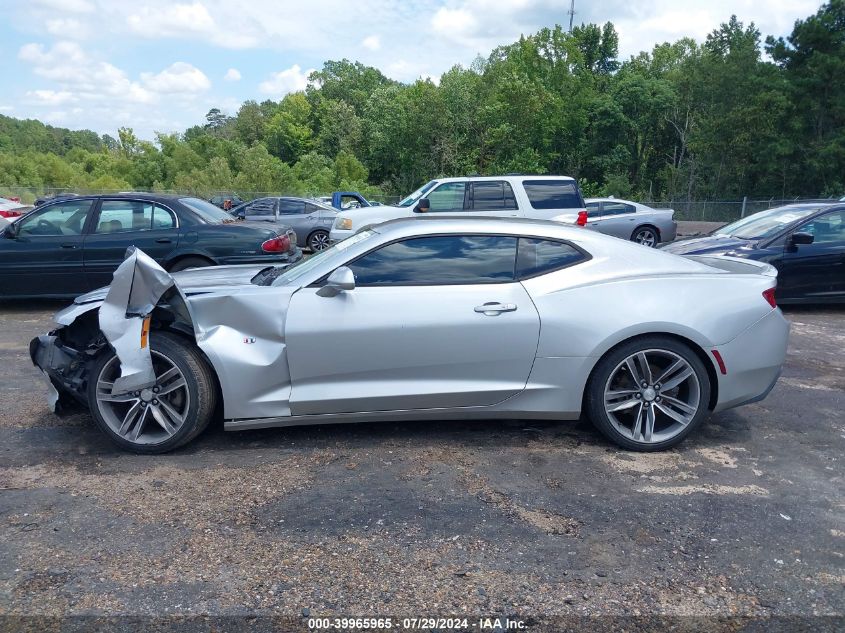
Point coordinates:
[(735, 115)]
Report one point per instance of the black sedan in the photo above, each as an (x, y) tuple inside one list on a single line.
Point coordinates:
[(805, 242), (68, 247)]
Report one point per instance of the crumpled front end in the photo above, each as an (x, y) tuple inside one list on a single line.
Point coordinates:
[(121, 319), (64, 356)]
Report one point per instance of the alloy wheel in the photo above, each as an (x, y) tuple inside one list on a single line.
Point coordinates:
[(319, 241), (646, 237), (147, 416), (652, 396)]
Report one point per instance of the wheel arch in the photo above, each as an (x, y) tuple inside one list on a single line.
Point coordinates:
[(175, 259), (648, 225), (696, 347)]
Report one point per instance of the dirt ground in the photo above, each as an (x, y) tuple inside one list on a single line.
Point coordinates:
[(531, 520)]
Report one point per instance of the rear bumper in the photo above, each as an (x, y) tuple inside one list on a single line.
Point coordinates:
[(669, 231), (753, 361)]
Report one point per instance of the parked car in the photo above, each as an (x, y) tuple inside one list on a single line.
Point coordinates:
[(311, 220), (425, 319), (226, 201), (64, 248), (12, 208), (805, 242), (627, 220), (541, 197)]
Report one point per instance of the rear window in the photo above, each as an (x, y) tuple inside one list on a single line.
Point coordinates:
[(553, 194), (207, 211), (492, 195)]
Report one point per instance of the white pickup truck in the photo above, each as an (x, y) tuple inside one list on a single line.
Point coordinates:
[(538, 197)]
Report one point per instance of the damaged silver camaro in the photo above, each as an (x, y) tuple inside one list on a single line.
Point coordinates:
[(423, 319)]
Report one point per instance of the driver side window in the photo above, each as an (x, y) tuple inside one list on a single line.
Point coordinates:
[(827, 229), (63, 218), (447, 197)]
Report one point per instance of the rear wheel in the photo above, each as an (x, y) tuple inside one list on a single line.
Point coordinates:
[(318, 241), (646, 235), (648, 394), (164, 416), (190, 262)]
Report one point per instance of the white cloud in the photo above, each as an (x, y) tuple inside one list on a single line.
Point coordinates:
[(6, 108), (172, 20), (233, 74), (454, 23), (50, 97), (67, 6), (179, 77), (285, 81), (67, 28), (372, 43), (69, 66)]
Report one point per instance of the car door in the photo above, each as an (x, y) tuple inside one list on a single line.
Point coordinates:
[(617, 219), (293, 213), (433, 322), (121, 223), (44, 256), (817, 270)]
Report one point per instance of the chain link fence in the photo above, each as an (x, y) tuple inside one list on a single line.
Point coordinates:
[(685, 210), (724, 210)]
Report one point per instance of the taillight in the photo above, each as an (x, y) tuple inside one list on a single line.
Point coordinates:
[(280, 244), (582, 218), (769, 295)]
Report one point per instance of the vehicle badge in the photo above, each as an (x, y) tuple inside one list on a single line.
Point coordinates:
[(249, 340)]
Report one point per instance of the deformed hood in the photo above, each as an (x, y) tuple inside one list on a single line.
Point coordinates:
[(192, 281)]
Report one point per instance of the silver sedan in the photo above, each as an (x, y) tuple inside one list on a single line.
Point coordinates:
[(424, 319), (627, 220)]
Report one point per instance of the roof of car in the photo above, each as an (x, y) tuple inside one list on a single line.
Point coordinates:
[(129, 195), (515, 177)]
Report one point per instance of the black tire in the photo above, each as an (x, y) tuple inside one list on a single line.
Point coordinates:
[(200, 383), (594, 396), (190, 262), (318, 241), (643, 234)]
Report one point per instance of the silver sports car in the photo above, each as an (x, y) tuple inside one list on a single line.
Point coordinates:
[(424, 319), (627, 220)]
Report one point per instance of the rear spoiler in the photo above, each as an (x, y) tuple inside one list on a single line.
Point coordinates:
[(735, 265)]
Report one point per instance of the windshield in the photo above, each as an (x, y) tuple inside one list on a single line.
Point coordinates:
[(303, 266), (407, 202), (207, 211), (766, 223)]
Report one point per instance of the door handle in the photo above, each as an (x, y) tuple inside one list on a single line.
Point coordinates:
[(68, 245), (494, 308), (164, 240)]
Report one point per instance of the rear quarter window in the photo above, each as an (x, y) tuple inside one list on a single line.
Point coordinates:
[(536, 257), (553, 194)]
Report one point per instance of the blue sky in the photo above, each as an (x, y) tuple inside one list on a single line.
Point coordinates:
[(158, 65)]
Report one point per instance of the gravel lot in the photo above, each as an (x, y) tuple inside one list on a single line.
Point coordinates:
[(497, 518)]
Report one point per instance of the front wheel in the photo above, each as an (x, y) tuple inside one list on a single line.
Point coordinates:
[(648, 394), (164, 416), (646, 235)]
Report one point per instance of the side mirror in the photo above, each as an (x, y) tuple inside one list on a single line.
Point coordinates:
[(341, 279), (423, 206), (801, 238)]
